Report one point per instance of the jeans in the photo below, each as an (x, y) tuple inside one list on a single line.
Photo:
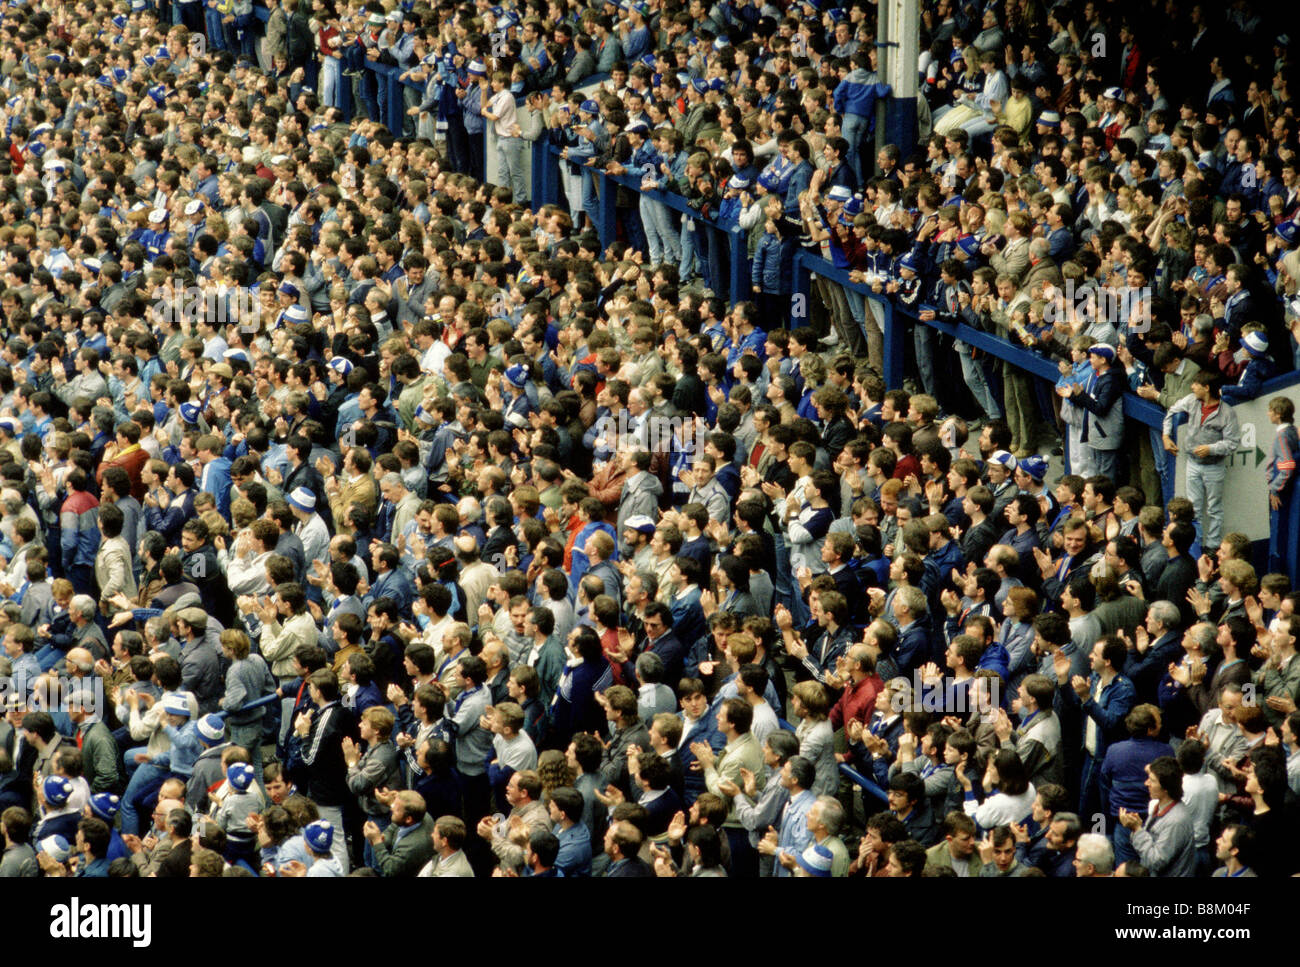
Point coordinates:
[(630, 218), (215, 28), (368, 853), (855, 131), (572, 183), (1279, 556), (510, 158), (973, 373), (1089, 794), (1205, 491), (590, 198), (1106, 463), (692, 252), (784, 590), (143, 787), (1122, 841), (249, 738), (661, 236), (923, 342), (330, 76)]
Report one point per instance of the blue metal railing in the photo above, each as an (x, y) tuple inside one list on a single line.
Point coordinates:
[(734, 279)]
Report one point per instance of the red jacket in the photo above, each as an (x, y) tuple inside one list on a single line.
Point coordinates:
[(132, 462), (857, 702)]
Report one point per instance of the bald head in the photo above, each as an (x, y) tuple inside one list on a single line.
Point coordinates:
[(80, 661)]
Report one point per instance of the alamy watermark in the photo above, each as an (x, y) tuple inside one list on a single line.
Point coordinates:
[(675, 434), (1127, 309), (185, 305)]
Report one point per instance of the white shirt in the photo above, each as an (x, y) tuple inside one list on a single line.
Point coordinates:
[(1201, 796), (503, 106)]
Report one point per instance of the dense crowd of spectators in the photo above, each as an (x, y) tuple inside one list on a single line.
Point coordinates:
[(355, 517)]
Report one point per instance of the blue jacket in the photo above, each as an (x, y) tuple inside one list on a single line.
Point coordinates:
[(800, 179), (1123, 774), (79, 530), (1251, 381), (857, 94), (218, 484), (914, 648), (766, 271), (396, 585), (705, 730), (689, 624), (574, 858), (184, 751), (579, 560), (1146, 671), (1117, 700)]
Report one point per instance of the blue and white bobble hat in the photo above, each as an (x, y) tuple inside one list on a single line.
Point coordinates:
[(477, 69), (816, 860), (701, 87), (853, 206), (517, 376), (910, 261), (839, 193), (319, 836), (340, 365), (1287, 231), (1034, 466), (105, 805), (240, 776), (303, 499), (1004, 458), (648, 60), (427, 417), (174, 703), (190, 412), (57, 790), (737, 182), (639, 523), (120, 21), (211, 729), (55, 847), (1105, 352), (1255, 343), (236, 354), (589, 107), (641, 128), (969, 245), (297, 313)]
